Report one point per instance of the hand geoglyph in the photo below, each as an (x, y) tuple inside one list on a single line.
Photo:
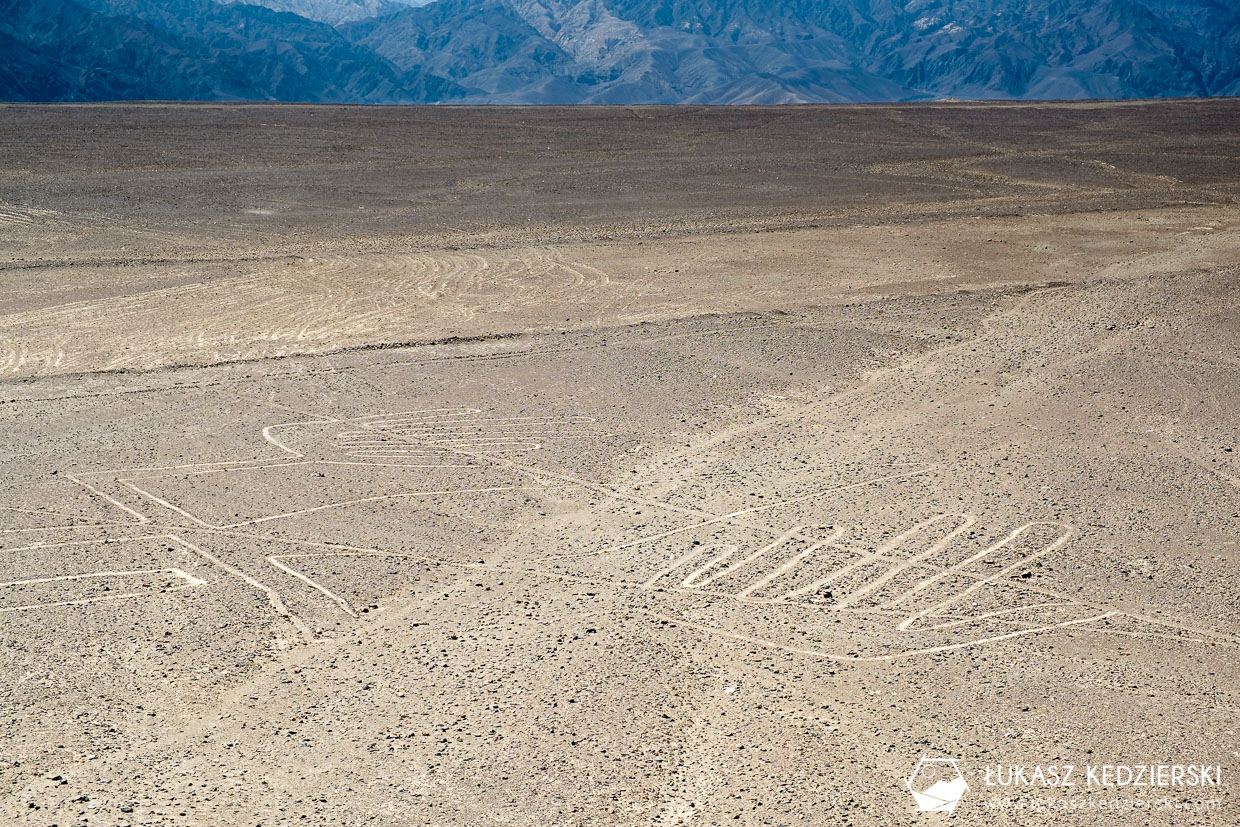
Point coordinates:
[(851, 572), (944, 583)]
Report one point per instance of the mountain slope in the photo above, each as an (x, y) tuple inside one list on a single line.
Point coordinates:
[(787, 51), (282, 56), (618, 51), (184, 50), (64, 51), (485, 47), (335, 11)]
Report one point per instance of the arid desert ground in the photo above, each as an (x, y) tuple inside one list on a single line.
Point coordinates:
[(617, 466)]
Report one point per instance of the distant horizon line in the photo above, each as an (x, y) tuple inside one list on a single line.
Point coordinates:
[(484, 105)]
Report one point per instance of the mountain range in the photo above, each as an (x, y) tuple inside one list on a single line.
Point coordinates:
[(616, 51)]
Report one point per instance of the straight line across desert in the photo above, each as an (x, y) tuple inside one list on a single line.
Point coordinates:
[(817, 465)]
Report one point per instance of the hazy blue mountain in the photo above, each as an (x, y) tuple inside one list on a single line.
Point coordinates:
[(183, 50), (618, 51), (65, 51), (335, 11)]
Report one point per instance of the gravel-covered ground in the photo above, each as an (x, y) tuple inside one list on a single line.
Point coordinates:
[(617, 466)]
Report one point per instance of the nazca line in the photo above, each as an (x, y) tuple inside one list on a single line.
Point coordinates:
[(191, 582)]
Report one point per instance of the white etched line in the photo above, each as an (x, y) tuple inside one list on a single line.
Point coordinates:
[(377, 498), (83, 602), (966, 621), (429, 412), (392, 464), (723, 518), (815, 653), (235, 469), (789, 565), (880, 554), (694, 579), (193, 581), (728, 550), (731, 549), (163, 469), (160, 501), (190, 582), (314, 584), (968, 561), (142, 518), (1006, 571), (95, 542), (271, 438), (274, 599), (856, 595)]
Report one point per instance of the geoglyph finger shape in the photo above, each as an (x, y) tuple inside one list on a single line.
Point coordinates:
[(929, 588)]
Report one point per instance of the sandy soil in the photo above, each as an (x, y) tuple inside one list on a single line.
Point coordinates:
[(614, 466)]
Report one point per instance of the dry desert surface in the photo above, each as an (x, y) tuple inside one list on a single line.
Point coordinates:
[(617, 466)]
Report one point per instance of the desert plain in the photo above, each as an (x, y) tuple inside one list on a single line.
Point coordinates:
[(617, 466)]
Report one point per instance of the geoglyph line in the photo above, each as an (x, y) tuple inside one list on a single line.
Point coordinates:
[(730, 516), (965, 521), (462, 432), (979, 556), (272, 598), (307, 306), (1002, 574), (817, 653), (276, 559), (190, 582), (189, 578), (893, 565), (442, 493), (142, 518)]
